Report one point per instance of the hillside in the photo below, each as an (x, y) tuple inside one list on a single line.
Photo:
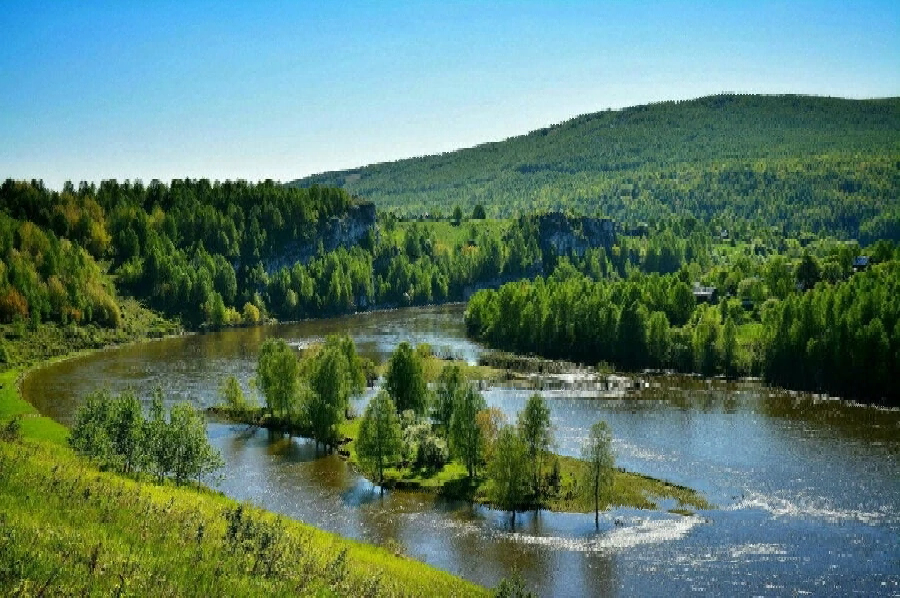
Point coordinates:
[(823, 165)]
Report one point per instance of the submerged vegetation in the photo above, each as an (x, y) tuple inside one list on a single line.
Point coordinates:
[(448, 440)]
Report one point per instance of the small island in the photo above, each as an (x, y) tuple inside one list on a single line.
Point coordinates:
[(429, 429)]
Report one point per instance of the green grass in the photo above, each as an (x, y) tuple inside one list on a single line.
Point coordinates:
[(33, 425), (629, 489), (68, 529), (447, 236)]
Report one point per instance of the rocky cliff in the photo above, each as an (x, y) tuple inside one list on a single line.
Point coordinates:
[(346, 232), (564, 235)]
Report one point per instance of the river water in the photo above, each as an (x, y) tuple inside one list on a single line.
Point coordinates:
[(807, 490)]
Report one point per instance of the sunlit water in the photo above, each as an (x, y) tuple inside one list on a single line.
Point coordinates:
[(807, 490)]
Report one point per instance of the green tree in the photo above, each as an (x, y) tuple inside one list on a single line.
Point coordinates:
[(457, 215), (330, 383), (599, 471), (451, 383), (536, 434), (658, 339), (465, 435), (379, 443), (277, 376), (479, 212), (192, 455), (233, 395), (405, 380), (808, 272), (508, 471), (127, 432), (729, 347), (90, 434)]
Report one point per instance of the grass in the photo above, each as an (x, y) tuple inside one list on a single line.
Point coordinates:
[(68, 529), (629, 489), (447, 236)]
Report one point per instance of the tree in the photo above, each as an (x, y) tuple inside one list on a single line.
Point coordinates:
[(277, 376), (465, 436), (127, 432), (379, 443), (658, 339), (192, 455), (478, 212), (508, 471), (457, 216), (451, 383), (808, 272), (405, 381), (600, 461), (330, 383), (489, 422), (729, 346), (534, 428), (233, 395)]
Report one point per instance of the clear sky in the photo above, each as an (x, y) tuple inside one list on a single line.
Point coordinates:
[(254, 90)]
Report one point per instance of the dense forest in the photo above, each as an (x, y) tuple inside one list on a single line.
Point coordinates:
[(801, 164), (810, 323)]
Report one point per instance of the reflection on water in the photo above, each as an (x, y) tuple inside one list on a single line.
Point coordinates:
[(807, 489)]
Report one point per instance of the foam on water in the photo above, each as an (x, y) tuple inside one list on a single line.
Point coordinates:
[(801, 506), (637, 531)]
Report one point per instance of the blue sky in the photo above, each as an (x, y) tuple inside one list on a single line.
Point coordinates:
[(255, 90)]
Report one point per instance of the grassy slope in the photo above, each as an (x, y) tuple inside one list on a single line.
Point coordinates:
[(68, 529)]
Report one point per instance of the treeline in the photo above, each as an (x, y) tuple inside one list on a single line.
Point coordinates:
[(44, 277), (843, 338), (824, 165), (117, 434), (789, 324), (192, 249)]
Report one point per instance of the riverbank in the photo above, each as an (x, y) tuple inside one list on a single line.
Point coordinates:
[(129, 536)]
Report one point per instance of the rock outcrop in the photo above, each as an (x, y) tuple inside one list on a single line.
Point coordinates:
[(562, 235), (346, 232)]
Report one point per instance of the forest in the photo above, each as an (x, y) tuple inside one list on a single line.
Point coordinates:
[(800, 164)]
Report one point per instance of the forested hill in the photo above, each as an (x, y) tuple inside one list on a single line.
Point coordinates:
[(822, 165)]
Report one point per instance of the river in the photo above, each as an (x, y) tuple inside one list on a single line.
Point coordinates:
[(807, 490)]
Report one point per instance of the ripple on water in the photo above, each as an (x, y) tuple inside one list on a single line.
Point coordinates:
[(632, 532), (801, 506)]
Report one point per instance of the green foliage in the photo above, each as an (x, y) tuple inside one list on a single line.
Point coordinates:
[(405, 381), (450, 385), (513, 586), (598, 455), (537, 436), (277, 376), (466, 439), (842, 338), (71, 530), (379, 443), (233, 395), (115, 433), (330, 384), (509, 471), (796, 163)]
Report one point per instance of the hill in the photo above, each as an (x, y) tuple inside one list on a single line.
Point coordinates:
[(822, 165)]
